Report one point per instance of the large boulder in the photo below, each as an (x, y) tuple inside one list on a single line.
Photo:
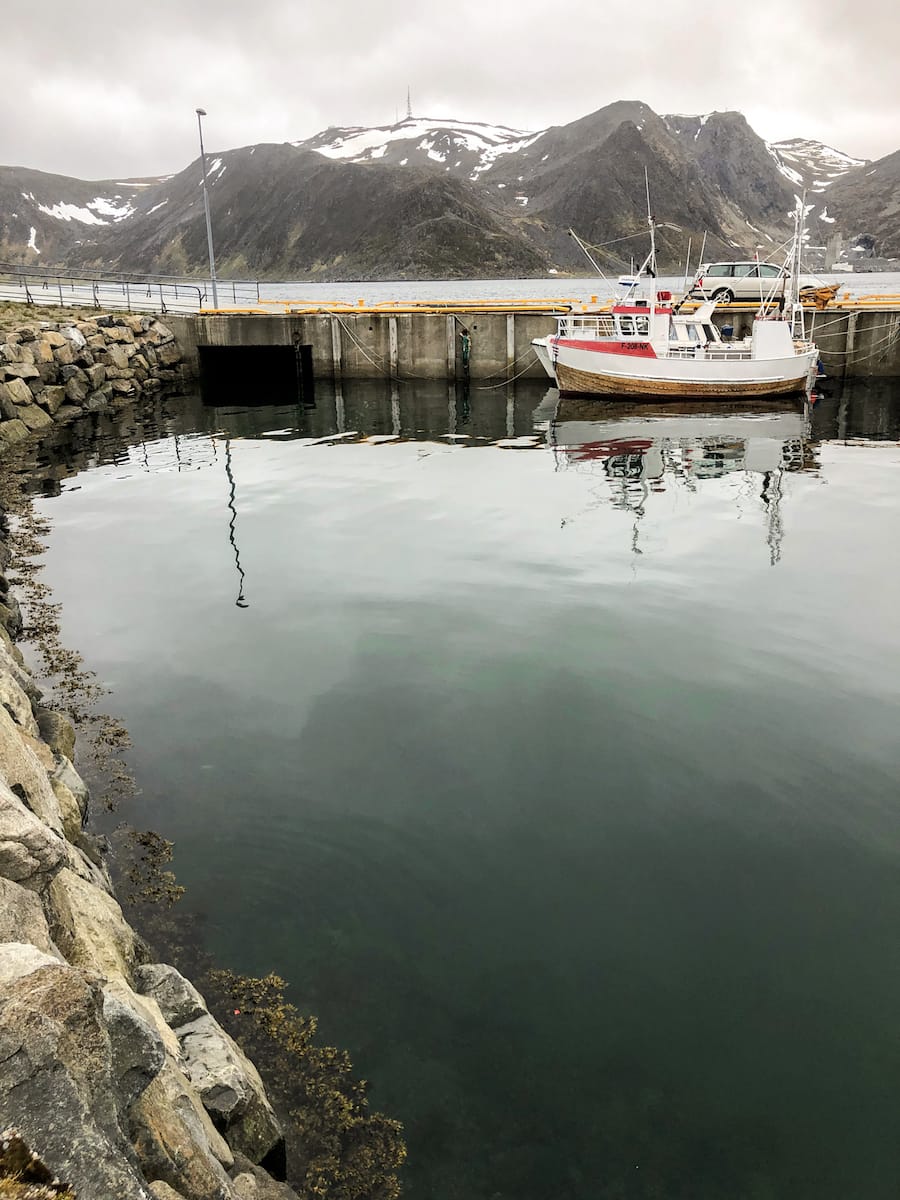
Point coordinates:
[(30, 853), (16, 703), (175, 1140), (22, 769), (57, 731), (22, 917), (88, 926), (137, 1048), (178, 999), (67, 775), (56, 1085), (18, 959), (230, 1088)]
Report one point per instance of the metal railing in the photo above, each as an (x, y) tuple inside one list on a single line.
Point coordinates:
[(132, 292)]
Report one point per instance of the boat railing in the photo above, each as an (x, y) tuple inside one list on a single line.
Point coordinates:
[(601, 325)]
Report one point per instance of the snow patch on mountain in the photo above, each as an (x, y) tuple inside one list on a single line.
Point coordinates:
[(472, 145), (812, 164)]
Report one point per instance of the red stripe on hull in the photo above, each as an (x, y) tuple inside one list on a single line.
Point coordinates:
[(632, 349)]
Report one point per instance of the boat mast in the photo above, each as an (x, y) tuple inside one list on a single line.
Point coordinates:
[(650, 264), (798, 329)]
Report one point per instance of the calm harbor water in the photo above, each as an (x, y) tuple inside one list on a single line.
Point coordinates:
[(549, 753)]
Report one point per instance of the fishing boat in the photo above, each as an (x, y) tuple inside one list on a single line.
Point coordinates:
[(649, 346)]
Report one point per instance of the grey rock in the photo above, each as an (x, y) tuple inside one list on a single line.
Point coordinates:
[(11, 616), (34, 417), (76, 390), (67, 775), (16, 702), (57, 1085), (175, 1140), (68, 412), (116, 357), (13, 431), (53, 338), (30, 853), (119, 333), (230, 1088), (51, 398), (57, 731), (178, 999), (24, 763), (26, 333), (87, 925), (7, 404), (19, 391), (168, 354), (97, 401), (19, 959), (75, 336), (22, 917), (137, 1049), (64, 355), (72, 372), (96, 376), (162, 1191), (21, 370)]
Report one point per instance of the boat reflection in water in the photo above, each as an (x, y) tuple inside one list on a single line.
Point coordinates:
[(645, 448)]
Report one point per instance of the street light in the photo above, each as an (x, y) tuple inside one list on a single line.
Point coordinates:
[(201, 112)]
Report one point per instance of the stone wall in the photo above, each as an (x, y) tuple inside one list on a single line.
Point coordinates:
[(54, 371), (112, 1070)]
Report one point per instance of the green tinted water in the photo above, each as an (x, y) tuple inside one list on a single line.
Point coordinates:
[(553, 761)]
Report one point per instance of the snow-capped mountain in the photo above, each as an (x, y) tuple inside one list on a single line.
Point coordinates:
[(814, 166), (810, 164), (434, 198), (465, 147), (50, 212)]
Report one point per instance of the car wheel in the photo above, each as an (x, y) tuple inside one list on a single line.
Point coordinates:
[(724, 295)]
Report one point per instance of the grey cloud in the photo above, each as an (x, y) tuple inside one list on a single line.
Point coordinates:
[(103, 91)]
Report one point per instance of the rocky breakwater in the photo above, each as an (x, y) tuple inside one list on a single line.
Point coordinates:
[(112, 1070), (54, 371)]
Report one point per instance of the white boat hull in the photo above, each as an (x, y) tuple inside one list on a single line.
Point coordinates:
[(542, 350), (596, 372)]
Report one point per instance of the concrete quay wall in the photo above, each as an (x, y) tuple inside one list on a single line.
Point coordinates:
[(429, 345)]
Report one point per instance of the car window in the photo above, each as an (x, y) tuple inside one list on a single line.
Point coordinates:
[(769, 272), (744, 270), (720, 269)]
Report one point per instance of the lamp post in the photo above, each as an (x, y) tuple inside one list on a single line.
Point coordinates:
[(201, 112)]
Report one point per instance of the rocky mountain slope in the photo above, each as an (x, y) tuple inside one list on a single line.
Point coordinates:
[(430, 198)]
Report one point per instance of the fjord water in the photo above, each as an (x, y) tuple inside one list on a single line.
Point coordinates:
[(550, 754)]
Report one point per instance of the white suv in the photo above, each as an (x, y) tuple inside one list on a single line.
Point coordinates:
[(726, 281)]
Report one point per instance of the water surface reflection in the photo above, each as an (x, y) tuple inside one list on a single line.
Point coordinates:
[(553, 760)]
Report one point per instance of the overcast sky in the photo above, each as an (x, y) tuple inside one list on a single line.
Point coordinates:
[(108, 90)]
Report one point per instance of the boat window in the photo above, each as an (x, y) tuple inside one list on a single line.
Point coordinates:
[(709, 333), (693, 335), (642, 324), (626, 326)]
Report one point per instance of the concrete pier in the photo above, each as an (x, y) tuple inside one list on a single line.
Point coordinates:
[(426, 343)]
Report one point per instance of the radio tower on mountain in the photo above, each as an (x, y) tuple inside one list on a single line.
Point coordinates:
[(408, 105)]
